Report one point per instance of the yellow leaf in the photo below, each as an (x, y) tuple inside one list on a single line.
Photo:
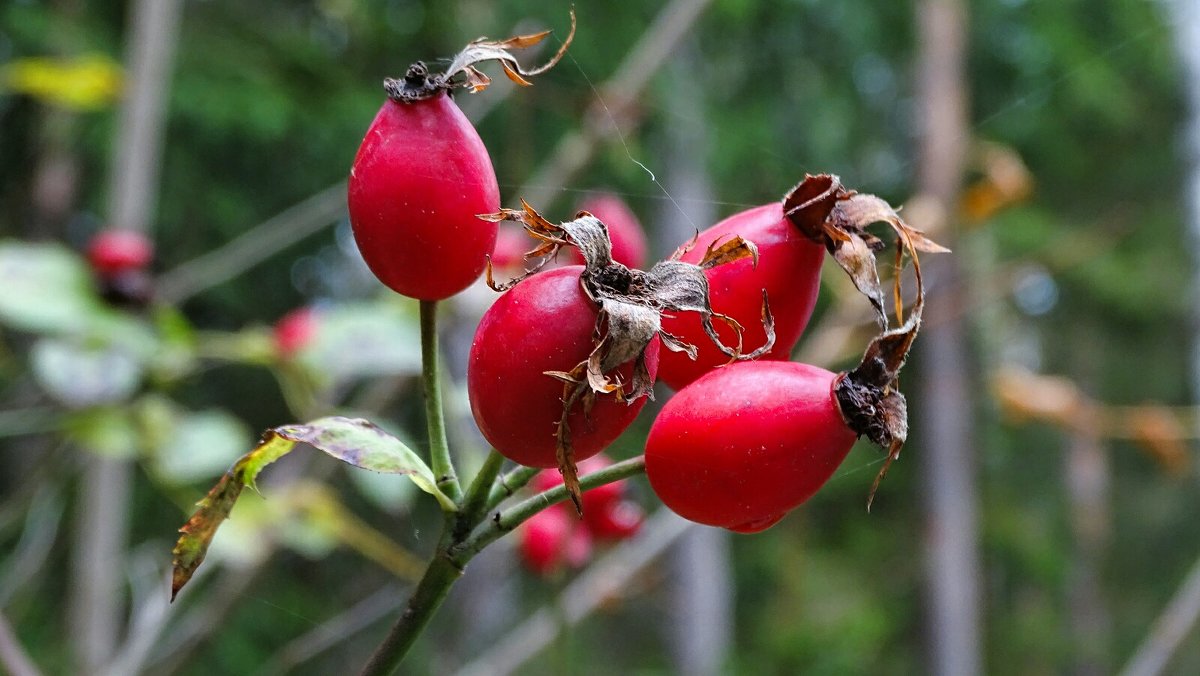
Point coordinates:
[(85, 83)]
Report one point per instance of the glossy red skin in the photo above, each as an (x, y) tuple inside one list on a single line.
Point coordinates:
[(743, 445), (628, 237), (114, 251), (552, 537), (789, 268), (421, 177), (542, 324), (295, 330)]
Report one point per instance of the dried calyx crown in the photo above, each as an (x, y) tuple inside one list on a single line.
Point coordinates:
[(868, 395), (631, 303), (419, 83)]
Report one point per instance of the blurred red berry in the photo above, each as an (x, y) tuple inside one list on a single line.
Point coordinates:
[(551, 538), (509, 256), (596, 498), (607, 515), (615, 521), (114, 251), (295, 330)]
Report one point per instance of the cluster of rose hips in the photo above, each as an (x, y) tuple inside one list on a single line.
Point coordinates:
[(564, 360)]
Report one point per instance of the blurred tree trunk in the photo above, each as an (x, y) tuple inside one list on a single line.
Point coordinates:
[(1087, 477), (945, 399), (701, 592), (103, 521)]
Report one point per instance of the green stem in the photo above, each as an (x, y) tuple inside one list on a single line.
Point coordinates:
[(509, 484), (435, 420), (441, 574), (514, 516), (475, 503)]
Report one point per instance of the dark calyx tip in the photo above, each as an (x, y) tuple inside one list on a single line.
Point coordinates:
[(417, 84), (872, 411)]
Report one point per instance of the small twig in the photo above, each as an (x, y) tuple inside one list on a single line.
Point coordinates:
[(195, 629), (1169, 630), (104, 510), (509, 484), (475, 503), (150, 612), (452, 555), (12, 656), (34, 420), (424, 602)]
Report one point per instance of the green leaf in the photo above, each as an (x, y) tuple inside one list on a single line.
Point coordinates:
[(354, 441), (196, 445), (82, 375), (363, 340), (363, 444), (47, 288), (198, 532)]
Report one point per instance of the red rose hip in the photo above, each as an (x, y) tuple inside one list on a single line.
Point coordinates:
[(422, 175), (545, 323), (420, 178), (745, 444), (789, 269)]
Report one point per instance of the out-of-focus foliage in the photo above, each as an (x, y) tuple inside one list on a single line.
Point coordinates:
[(268, 103)]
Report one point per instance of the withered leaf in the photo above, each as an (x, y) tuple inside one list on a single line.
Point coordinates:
[(868, 397), (198, 532), (808, 204), (484, 49), (419, 83), (857, 259), (829, 213), (351, 440)]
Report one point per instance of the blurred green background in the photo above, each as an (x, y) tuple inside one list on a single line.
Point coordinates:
[(1073, 259)]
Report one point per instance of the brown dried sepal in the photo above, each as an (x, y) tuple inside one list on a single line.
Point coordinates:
[(868, 396), (837, 217), (419, 83), (631, 304)]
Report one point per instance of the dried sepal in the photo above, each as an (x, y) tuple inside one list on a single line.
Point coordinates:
[(566, 452), (734, 249), (868, 396), (837, 217), (550, 238), (419, 83)]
